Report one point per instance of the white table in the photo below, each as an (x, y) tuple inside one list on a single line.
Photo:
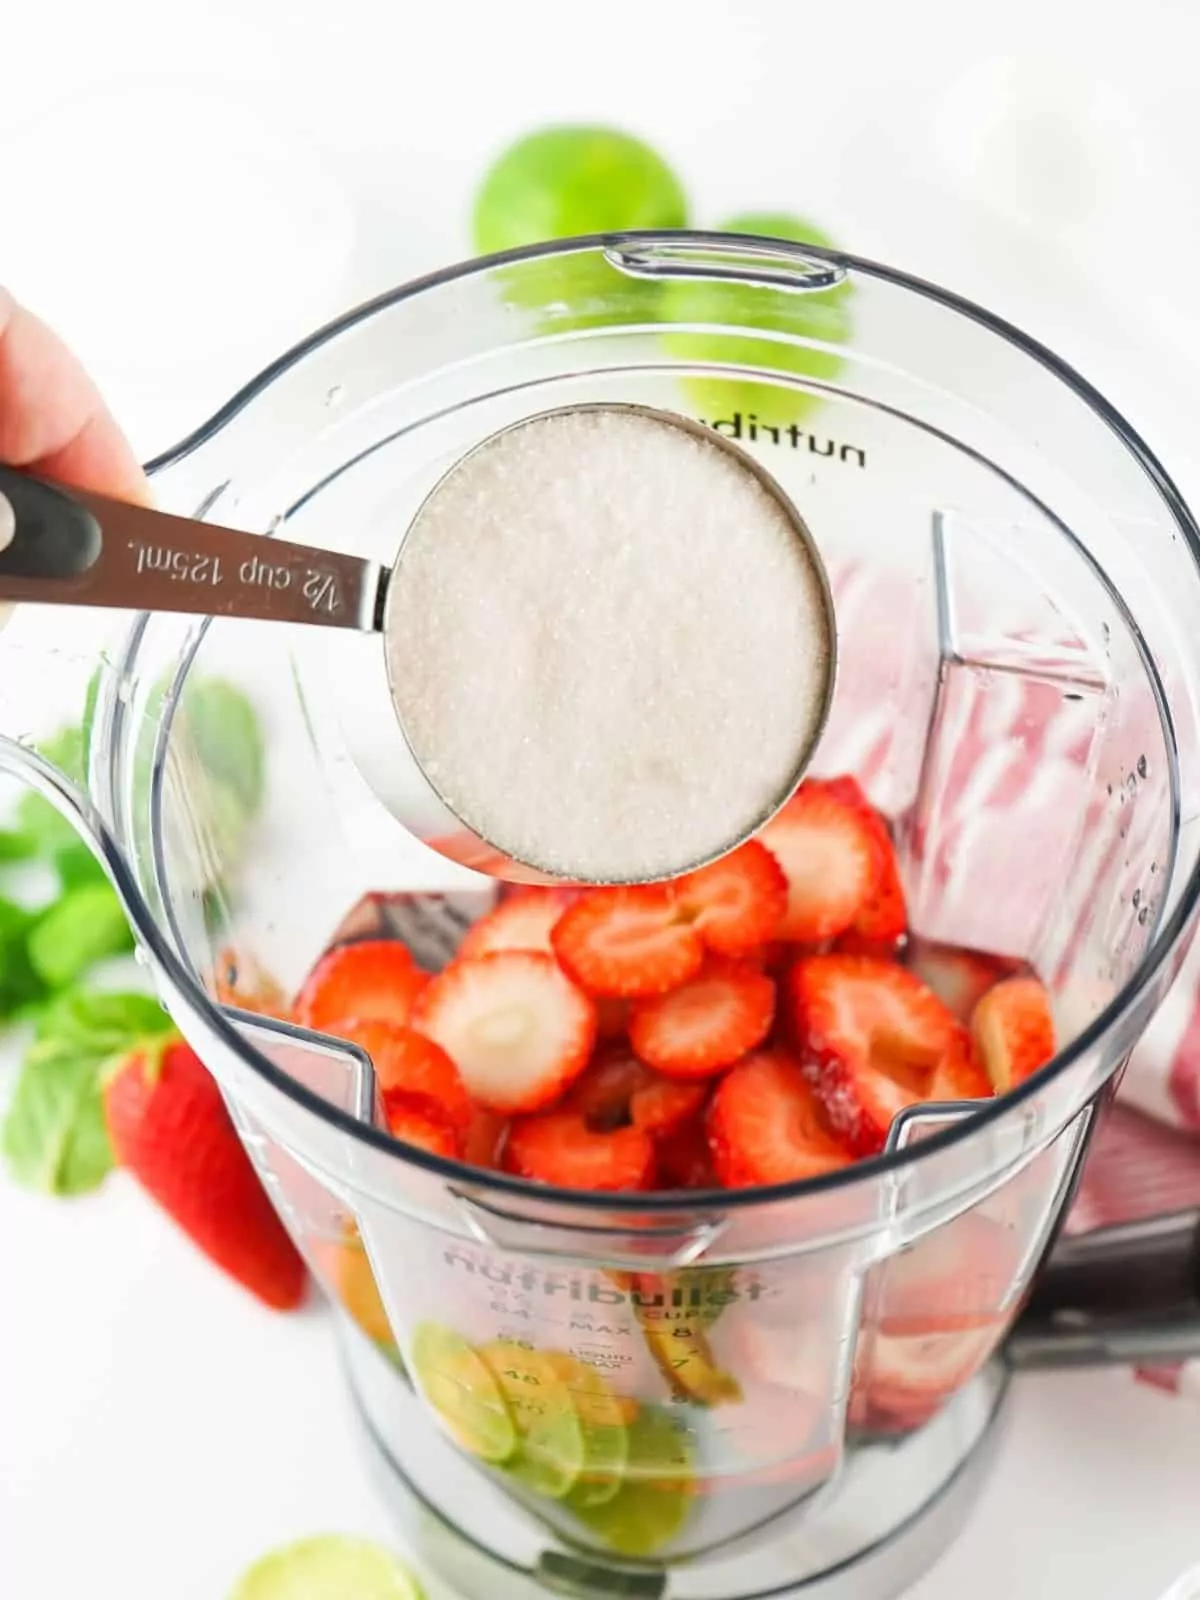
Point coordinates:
[(157, 1430)]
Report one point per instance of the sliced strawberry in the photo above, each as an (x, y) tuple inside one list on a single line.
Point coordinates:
[(618, 1090), (375, 978), (484, 1143), (412, 1122), (706, 1025), (959, 977), (882, 920), (736, 903), (558, 1147), (1013, 1030), (627, 942), (685, 1159), (765, 1125), (831, 858), (521, 921), (410, 1066), (872, 1039), (518, 1031)]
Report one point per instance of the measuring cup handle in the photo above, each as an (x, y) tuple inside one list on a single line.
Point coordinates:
[(1124, 1295), (71, 547)]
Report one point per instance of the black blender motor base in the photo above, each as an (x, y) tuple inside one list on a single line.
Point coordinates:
[(893, 1513)]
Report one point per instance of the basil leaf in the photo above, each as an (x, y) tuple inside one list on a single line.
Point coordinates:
[(78, 930), (87, 1156)]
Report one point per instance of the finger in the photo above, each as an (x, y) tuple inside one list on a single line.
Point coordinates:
[(52, 419)]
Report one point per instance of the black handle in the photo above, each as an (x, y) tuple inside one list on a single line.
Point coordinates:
[(1125, 1295), (54, 536)]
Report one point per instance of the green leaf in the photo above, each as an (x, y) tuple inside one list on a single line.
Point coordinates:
[(20, 984), (16, 845), (78, 930), (221, 725), (103, 1023), (77, 866), (50, 1096), (54, 1137)]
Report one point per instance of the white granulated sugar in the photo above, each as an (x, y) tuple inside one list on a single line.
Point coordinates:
[(608, 648)]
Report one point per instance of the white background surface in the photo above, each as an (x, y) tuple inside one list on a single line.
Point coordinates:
[(184, 192)]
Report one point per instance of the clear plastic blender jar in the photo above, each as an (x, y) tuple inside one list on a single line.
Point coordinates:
[(791, 1387)]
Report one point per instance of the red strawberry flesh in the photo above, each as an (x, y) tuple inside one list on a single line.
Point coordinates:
[(765, 1125), (831, 858), (625, 942), (737, 903), (707, 1024), (375, 978), (558, 1147)]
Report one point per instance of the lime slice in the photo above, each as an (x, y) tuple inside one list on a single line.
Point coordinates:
[(748, 410), (652, 1505), (604, 1416), (553, 1451), (463, 1392), (328, 1568)]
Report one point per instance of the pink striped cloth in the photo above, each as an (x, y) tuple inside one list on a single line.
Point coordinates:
[(1009, 762)]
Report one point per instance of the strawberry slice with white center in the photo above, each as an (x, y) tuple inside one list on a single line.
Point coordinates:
[(831, 858), (521, 921), (627, 942), (1013, 1030), (558, 1147), (709, 1023), (873, 1040), (958, 976), (518, 1031), (737, 903), (765, 1125)]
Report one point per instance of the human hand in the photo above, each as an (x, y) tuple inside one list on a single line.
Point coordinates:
[(52, 419)]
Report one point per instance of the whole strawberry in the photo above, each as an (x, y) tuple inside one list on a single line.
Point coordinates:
[(170, 1128)]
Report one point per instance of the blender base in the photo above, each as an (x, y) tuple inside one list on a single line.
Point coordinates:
[(893, 1512)]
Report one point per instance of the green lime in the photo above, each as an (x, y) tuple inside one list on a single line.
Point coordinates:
[(330, 1567), (461, 1389), (652, 1504), (743, 404), (565, 181), (562, 182), (604, 1416), (553, 1451)]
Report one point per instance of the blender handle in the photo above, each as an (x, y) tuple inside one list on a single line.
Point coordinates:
[(1122, 1295), (73, 547)]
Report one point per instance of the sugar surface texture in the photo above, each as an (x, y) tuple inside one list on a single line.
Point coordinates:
[(607, 646)]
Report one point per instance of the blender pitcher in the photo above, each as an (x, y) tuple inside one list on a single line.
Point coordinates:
[(742, 1393)]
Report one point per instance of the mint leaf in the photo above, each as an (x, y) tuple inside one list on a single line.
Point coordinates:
[(222, 727), (20, 984), (54, 1137), (81, 928), (49, 1097), (77, 866), (16, 845), (105, 1023), (87, 1155)]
